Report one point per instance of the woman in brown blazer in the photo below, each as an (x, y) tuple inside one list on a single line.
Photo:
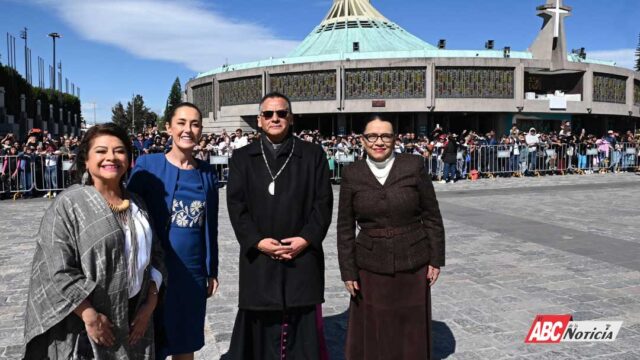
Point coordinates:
[(390, 265)]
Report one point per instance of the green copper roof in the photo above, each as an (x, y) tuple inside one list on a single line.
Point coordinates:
[(416, 54), (357, 21), (370, 35)]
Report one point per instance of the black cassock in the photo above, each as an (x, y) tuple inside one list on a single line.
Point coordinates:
[(279, 300)]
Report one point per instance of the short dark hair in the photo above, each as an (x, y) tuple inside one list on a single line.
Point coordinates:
[(376, 116), (95, 131), (276, 95), (172, 113)]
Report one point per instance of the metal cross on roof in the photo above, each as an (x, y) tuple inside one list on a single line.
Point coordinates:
[(556, 12)]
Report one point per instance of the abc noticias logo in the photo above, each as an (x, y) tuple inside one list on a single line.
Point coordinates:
[(551, 329)]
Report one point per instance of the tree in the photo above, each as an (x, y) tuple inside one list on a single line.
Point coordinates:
[(119, 116), (174, 99), (638, 55), (135, 113), (138, 114)]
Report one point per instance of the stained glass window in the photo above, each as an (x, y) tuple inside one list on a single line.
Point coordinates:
[(400, 83), (241, 91), (471, 82), (203, 98), (307, 86), (609, 88)]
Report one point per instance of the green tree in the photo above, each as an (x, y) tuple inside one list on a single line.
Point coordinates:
[(137, 114), (119, 116), (174, 99)]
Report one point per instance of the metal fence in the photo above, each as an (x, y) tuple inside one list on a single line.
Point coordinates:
[(28, 174), (36, 175), (514, 160), (542, 159)]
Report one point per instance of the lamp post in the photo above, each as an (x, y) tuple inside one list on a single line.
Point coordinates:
[(24, 35), (133, 113), (54, 36)]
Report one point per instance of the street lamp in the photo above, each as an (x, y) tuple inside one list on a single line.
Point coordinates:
[(24, 35), (54, 36)]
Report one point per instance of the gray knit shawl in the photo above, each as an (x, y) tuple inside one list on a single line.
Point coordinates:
[(79, 255)]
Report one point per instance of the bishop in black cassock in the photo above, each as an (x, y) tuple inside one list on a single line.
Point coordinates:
[(280, 201)]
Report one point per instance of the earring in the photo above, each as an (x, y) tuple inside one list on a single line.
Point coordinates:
[(85, 178)]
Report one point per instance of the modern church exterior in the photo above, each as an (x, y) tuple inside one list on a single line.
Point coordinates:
[(357, 62)]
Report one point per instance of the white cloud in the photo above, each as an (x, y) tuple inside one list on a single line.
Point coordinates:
[(184, 32), (622, 57)]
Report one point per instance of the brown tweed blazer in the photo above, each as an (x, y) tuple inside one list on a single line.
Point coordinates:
[(406, 204)]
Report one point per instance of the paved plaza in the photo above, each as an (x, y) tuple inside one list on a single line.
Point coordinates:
[(515, 248)]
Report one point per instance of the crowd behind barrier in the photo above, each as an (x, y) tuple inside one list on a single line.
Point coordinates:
[(44, 164)]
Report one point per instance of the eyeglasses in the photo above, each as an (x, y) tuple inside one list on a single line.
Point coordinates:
[(269, 114), (374, 137)]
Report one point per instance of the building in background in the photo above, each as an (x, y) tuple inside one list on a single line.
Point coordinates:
[(357, 61)]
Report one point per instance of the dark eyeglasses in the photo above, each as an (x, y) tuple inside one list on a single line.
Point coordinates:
[(269, 114), (374, 137)]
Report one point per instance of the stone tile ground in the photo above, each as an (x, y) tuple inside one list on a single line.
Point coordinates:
[(515, 248)]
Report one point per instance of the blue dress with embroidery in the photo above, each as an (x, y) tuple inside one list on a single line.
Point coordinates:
[(185, 256)]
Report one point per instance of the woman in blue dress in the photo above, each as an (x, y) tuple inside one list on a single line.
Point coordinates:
[(182, 194)]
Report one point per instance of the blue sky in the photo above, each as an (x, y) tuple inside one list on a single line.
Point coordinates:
[(112, 49)]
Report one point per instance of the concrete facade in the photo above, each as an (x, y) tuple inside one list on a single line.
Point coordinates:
[(231, 117), (548, 58)]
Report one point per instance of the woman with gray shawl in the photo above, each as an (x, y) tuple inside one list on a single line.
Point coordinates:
[(97, 267)]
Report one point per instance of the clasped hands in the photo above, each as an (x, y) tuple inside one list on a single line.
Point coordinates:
[(99, 327), (285, 250)]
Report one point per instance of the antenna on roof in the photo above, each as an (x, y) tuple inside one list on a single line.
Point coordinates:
[(489, 45), (582, 54)]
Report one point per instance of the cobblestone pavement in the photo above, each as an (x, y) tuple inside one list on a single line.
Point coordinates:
[(515, 248)]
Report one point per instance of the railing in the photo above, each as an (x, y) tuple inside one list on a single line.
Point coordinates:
[(542, 159), (506, 160), (53, 173), (16, 175), (221, 163), (28, 174)]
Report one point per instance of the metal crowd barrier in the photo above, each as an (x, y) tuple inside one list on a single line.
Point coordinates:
[(514, 160), (221, 163), (543, 159), (25, 174), (16, 175), (53, 173), (502, 160), (30, 174)]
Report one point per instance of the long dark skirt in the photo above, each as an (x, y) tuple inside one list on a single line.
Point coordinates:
[(390, 318), (266, 335)]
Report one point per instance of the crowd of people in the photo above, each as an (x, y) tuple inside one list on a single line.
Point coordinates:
[(43, 161), (448, 156)]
